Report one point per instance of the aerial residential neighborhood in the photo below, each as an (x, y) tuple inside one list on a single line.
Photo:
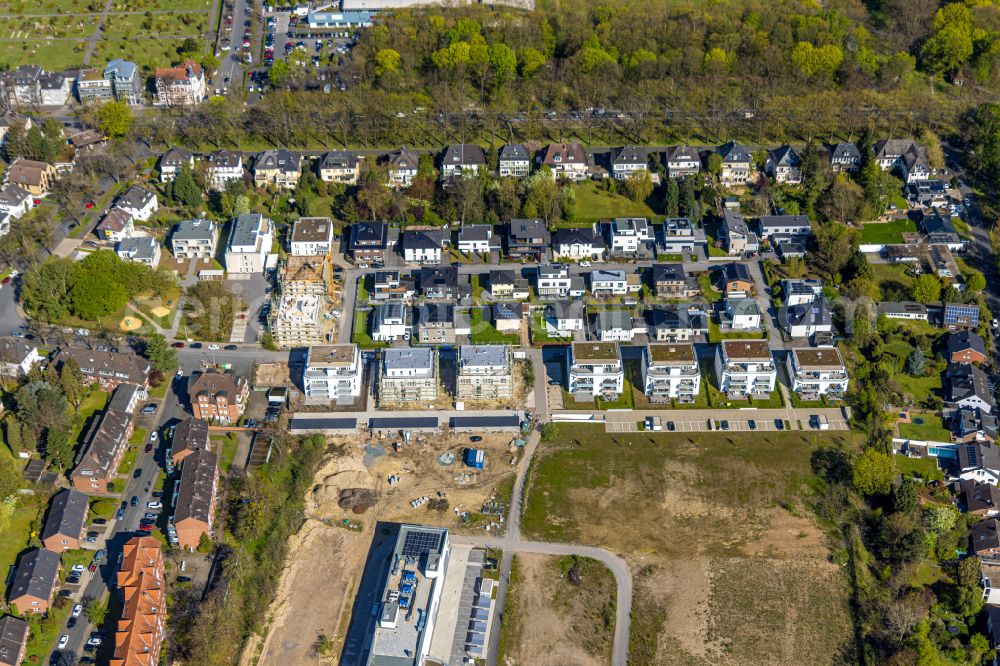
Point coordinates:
[(432, 333)]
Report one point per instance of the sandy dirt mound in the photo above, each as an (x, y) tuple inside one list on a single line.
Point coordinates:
[(130, 323), (160, 311)]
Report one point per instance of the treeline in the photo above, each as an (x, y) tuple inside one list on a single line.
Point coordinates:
[(95, 287), (265, 509)]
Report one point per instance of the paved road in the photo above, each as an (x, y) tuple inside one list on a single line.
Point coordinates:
[(231, 67), (98, 31)]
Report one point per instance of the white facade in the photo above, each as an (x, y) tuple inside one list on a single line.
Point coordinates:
[(388, 322), (475, 240), (140, 250), (249, 244), (817, 372), (745, 367), (608, 282), (312, 236), (596, 369), (670, 372), (333, 372), (409, 374), (743, 314), (553, 281), (628, 233), (15, 201), (422, 255), (141, 204), (485, 372), (224, 167)]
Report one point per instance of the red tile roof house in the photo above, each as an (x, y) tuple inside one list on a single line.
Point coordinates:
[(144, 606), (66, 522), (34, 581), (218, 396)]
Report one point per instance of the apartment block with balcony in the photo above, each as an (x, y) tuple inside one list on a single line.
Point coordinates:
[(553, 281), (409, 374), (333, 373), (745, 368), (485, 373), (595, 370), (818, 372), (143, 620), (670, 372), (297, 320)]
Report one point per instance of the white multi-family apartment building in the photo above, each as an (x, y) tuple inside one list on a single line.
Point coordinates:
[(249, 243), (312, 236), (745, 368), (409, 374), (333, 372), (515, 161), (629, 160), (388, 322), (485, 372), (224, 166), (670, 372), (613, 282), (553, 281), (628, 233), (596, 369), (194, 239), (816, 372)]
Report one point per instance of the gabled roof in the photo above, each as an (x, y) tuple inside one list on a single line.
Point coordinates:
[(733, 152), (463, 154), (985, 535), (368, 235), (510, 311), (667, 272), (135, 197), (36, 575), (436, 313), (785, 156), (15, 350), (529, 228), (216, 383), (191, 434), (438, 276), (338, 159), (845, 151), (225, 159), (176, 157), (980, 496), (630, 155), (557, 154), (13, 195), (501, 277), (676, 317), (887, 148), (978, 456), (683, 154), (963, 381), (734, 271), (514, 152), (66, 514), (475, 232), (403, 159), (13, 637), (194, 495), (115, 221), (422, 239), (816, 313), (282, 160), (965, 341), (574, 236)]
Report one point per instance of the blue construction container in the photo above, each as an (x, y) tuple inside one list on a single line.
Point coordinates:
[(475, 458)]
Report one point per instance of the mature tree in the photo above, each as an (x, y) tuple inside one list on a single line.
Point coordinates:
[(542, 198), (904, 497), (915, 363), (672, 204), (639, 186), (842, 201), (927, 288), (951, 44), (184, 189), (71, 382), (833, 248), (689, 200), (45, 289), (715, 164), (873, 472), (115, 119), (10, 476), (159, 352), (975, 281)]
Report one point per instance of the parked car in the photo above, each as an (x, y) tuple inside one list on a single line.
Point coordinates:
[(150, 516), (196, 345), (137, 474), (63, 641), (78, 568), (153, 436), (100, 521), (779, 424), (475, 438), (120, 514), (135, 500), (154, 505), (752, 424), (177, 345), (213, 347), (149, 447), (93, 567), (670, 426), (94, 641), (231, 347), (149, 409), (725, 425), (77, 609)]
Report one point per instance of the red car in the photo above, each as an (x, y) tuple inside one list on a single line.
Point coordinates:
[(93, 567), (6, 281), (149, 447), (177, 345), (90, 204)]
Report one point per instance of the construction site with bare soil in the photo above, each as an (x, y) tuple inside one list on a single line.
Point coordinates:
[(422, 478)]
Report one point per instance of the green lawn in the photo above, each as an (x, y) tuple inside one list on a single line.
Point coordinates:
[(539, 331), (708, 292), (17, 528), (931, 428), (594, 204), (225, 445), (893, 277), (887, 232), (94, 402), (625, 401), (485, 333), (925, 468), (102, 507), (72, 557), (715, 334), (918, 387), (718, 400), (128, 460), (359, 331), (44, 632)]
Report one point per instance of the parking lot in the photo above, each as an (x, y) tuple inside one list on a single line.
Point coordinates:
[(283, 34), (698, 420)]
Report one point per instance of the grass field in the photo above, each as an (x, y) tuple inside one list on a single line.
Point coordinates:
[(485, 333), (925, 468), (893, 280), (887, 232), (594, 204), (725, 553), (931, 428), (225, 446), (359, 331)]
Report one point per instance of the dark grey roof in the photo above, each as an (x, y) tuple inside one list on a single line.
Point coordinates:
[(514, 152), (683, 154), (736, 271), (816, 313), (980, 496), (121, 367), (978, 456), (225, 159), (903, 307), (510, 311), (734, 152), (667, 272), (66, 514), (509, 421), (302, 423), (15, 350), (438, 277), (191, 434), (845, 151), (422, 239), (175, 157), (36, 575), (963, 380), (404, 423), (935, 223), (526, 229), (464, 154), (436, 313), (985, 535), (475, 232), (630, 155), (676, 316), (195, 491), (368, 235), (13, 637), (785, 156), (135, 197), (965, 340), (501, 277), (13, 195), (777, 223), (573, 235), (404, 159), (105, 438), (338, 159), (283, 160)]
